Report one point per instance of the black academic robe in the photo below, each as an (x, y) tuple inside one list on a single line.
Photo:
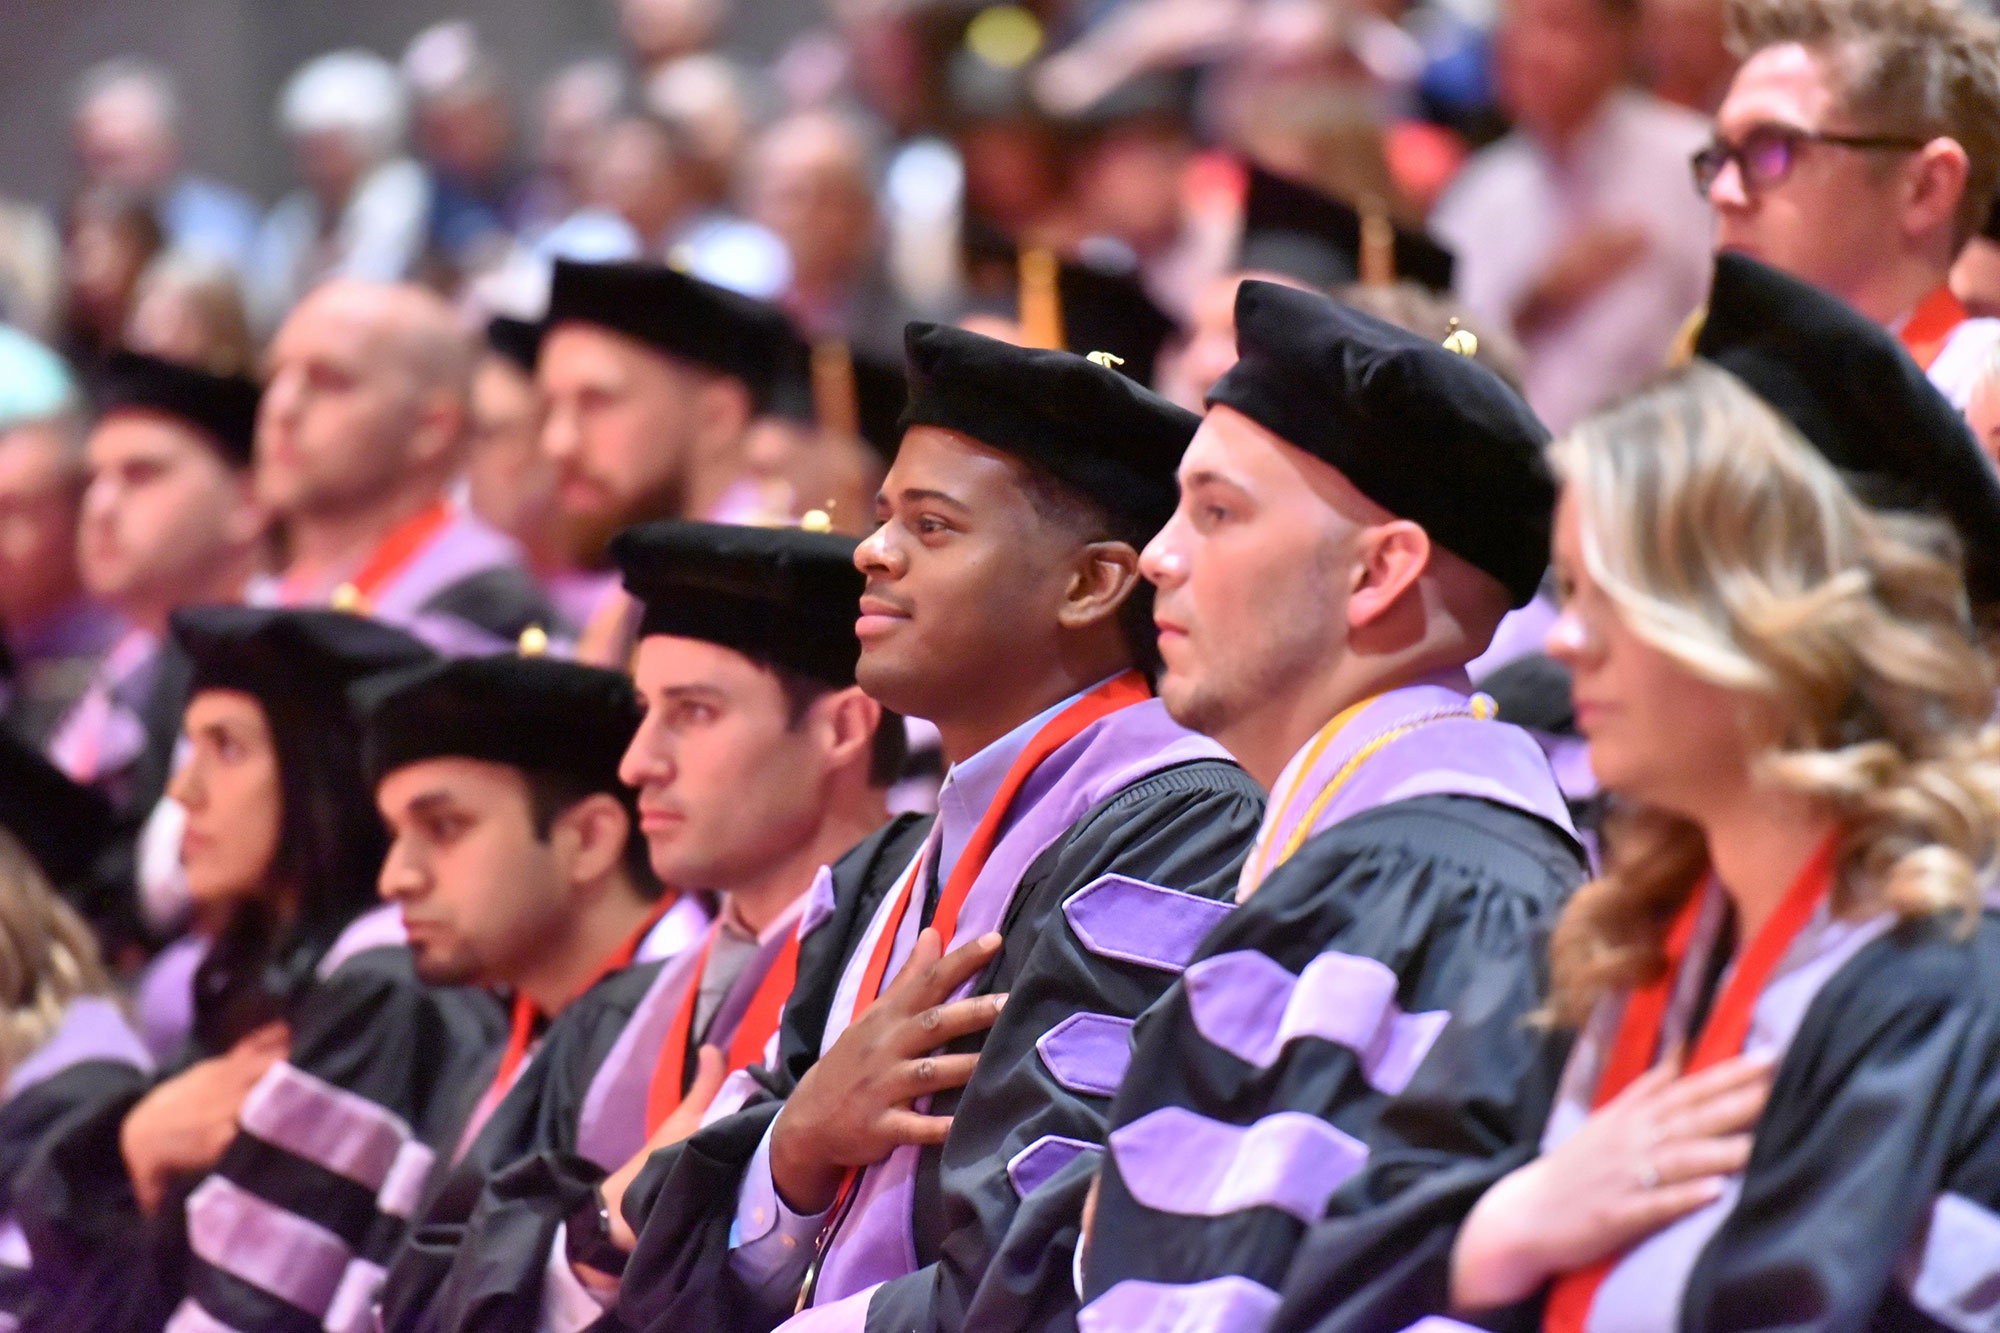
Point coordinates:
[(476, 1260), (1187, 827), (289, 1230), (1871, 1199), (1417, 935)]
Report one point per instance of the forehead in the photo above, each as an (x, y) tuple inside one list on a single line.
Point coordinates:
[(225, 708), (133, 432), (1230, 446), (975, 474), (1785, 83), (459, 779), (575, 351), (667, 662), (334, 322)]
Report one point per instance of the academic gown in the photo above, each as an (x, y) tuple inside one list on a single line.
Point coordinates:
[(1872, 1195), (477, 1260), (1377, 983), (1098, 916), (289, 1230)]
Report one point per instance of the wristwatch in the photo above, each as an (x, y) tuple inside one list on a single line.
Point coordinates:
[(587, 1237)]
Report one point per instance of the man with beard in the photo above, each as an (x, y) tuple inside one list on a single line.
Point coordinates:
[(651, 379)]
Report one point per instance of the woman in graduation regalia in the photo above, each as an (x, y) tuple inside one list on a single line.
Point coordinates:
[(1783, 1106), (273, 1169)]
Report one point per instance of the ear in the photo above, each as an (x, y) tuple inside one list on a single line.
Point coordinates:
[(722, 408), (846, 720), (1936, 185), (593, 832), (1102, 578), (442, 424), (1390, 558)]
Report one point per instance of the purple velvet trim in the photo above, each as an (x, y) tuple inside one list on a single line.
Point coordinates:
[(377, 928), (92, 1028), (1221, 1305), (1250, 1006), (1437, 1323), (188, 1317), (1137, 922), (1033, 1166), (1175, 1161), (256, 1241), (875, 1243), (339, 1130), (846, 1315), (1954, 1275), (465, 546), (819, 902), (1088, 1053), (611, 1124)]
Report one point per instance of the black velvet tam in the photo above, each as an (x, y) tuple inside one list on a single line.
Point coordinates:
[(1091, 428), (538, 714), (283, 654), (222, 407), (678, 315), (1428, 434), (64, 826), (1855, 394), (783, 597), (1293, 229), (519, 340)]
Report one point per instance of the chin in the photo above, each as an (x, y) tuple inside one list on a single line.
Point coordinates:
[(891, 683)]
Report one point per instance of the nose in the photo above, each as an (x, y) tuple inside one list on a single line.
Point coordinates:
[(1729, 190), (97, 499), (186, 786), (559, 438), (648, 760), (401, 876), (877, 555), (1569, 640), (1163, 562)]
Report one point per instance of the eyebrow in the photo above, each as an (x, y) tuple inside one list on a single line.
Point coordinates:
[(699, 690), (1210, 477), (916, 494), (430, 803)]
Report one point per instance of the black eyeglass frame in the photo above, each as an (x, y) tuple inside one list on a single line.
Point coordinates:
[(1708, 162)]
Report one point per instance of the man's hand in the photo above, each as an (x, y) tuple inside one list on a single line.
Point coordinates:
[(1651, 1155), (183, 1125), (854, 1107), (709, 1071)]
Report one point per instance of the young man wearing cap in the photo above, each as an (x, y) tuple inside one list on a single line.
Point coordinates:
[(1858, 149), (168, 520), (758, 762), (1082, 843), (361, 433), (1358, 510)]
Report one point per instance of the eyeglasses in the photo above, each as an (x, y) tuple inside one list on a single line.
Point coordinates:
[(1767, 154)]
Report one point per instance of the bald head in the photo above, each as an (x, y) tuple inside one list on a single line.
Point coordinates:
[(812, 180), (366, 402)]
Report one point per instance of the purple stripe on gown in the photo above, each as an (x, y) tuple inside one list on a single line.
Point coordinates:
[(1247, 1004), (1220, 1305), (1128, 919), (875, 1242), (1088, 1053), (1174, 1160), (1036, 1164), (93, 1027)]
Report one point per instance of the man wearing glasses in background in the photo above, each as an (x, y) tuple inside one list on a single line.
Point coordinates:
[(1859, 148)]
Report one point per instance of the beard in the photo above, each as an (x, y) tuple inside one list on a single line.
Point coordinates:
[(585, 537)]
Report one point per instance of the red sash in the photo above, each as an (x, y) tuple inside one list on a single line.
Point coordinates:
[(396, 549), (1930, 326), (1721, 1037), (746, 1048)]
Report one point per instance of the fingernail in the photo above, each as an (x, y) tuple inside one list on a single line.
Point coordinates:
[(992, 939)]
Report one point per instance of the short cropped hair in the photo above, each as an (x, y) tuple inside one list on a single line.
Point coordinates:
[(1921, 68)]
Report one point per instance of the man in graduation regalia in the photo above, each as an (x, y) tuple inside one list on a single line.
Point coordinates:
[(1359, 509), (925, 1169), (757, 764)]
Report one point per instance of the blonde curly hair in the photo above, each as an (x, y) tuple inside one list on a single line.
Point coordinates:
[(48, 957), (1728, 543)]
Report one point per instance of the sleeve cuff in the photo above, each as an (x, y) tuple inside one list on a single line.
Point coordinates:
[(568, 1306)]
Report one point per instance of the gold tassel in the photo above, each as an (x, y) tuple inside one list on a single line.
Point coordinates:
[(1378, 244), (836, 400), (1041, 299)]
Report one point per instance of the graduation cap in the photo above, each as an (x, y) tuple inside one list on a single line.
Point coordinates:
[(1090, 427), (519, 340), (222, 407), (1424, 431), (1295, 230), (534, 713), (678, 315), (273, 653), (784, 597), (1848, 386), (1078, 306), (64, 826), (839, 387)]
